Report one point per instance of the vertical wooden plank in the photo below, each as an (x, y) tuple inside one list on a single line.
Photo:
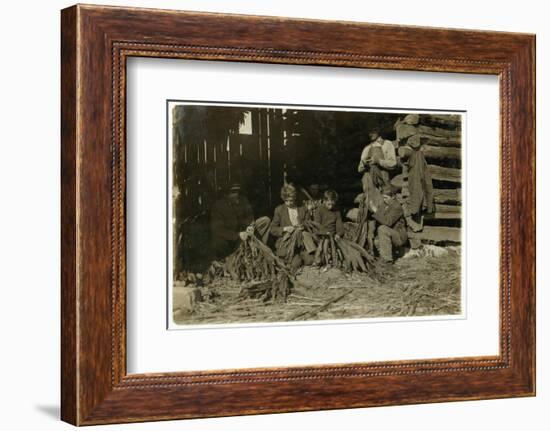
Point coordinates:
[(210, 176), (254, 176), (250, 147), (191, 205), (292, 146), (222, 165), (265, 154), (276, 144), (235, 146), (69, 367)]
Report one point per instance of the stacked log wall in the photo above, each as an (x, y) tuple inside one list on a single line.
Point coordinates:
[(442, 140)]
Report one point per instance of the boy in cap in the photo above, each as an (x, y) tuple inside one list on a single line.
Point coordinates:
[(392, 229)]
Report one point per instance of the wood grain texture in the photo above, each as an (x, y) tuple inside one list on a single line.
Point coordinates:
[(96, 41)]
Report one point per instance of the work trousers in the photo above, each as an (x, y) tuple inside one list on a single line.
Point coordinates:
[(389, 238)]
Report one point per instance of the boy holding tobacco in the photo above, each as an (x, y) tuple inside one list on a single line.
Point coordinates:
[(330, 226), (328, 217), (333, 250), (287, 225)]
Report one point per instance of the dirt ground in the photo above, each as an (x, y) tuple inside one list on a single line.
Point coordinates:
[(424, 282)]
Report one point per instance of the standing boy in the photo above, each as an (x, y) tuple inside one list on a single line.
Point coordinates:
[(377, 160)]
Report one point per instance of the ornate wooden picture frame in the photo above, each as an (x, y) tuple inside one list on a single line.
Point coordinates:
[(96, 41)]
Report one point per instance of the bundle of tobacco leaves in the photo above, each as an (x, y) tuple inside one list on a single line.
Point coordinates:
[(361, 233), (253, 261), (292, 243), (313, 227), (337, 252), (266, 273), (327, 254), (216, 269), (343, 254), (305, 236), (271, 290), (354, 257)]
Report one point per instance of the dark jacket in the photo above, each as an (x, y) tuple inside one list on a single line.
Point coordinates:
[(420, 184), (227, 219), (330, 220), (391, 214), (281, 219)]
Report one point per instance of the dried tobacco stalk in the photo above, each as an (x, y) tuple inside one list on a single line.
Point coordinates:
[(255, 263)]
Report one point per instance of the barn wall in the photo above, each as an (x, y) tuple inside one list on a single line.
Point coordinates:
[(302, 148)]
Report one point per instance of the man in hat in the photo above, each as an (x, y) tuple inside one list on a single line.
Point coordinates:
[(406, 130), (377, 161), (232, 221)]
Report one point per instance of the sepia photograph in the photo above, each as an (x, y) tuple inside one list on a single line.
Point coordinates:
[(287, 213)]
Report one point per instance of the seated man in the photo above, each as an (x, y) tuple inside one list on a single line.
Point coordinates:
[(392, 229), (232, 221)]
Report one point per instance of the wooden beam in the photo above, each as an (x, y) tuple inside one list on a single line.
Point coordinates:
[(441, 153), (446, 215), (438, 234), (445, 120), (439, 132), (445, 174), (440, 141), (441, 208), (442, 196)]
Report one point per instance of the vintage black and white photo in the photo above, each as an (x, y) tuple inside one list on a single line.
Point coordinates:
[(284, 213)]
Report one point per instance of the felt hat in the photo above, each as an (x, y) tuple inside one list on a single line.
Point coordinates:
[(411, 119), (414, 141)]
